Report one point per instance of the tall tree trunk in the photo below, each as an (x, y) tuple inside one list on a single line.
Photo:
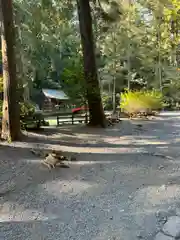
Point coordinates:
[(173, 43), (97, 117), (10, 121), (178, 55)]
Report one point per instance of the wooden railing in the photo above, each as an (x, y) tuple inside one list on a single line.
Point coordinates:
[(72, 118)]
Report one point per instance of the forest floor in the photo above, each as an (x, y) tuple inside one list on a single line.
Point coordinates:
[(125, 184)]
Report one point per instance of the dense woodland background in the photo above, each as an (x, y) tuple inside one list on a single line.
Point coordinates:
[(92, 50)]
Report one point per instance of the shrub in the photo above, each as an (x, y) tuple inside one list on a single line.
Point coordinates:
[(29, 118), (26, 109), (73, 75), (107, 102), (135, 102)]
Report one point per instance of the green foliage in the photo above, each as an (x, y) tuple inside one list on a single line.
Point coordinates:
[(142, 42), (73, 83), (107, 102), (129, 38), (26, 109), (1, 107), (1, 84), (46, 39), (141, 101), (29, 117)]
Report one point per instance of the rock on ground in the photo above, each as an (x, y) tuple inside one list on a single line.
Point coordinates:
[(172, 227), (161, 236)]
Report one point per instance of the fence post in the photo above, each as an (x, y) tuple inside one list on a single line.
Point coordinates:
[(86, 118), (72, 118)]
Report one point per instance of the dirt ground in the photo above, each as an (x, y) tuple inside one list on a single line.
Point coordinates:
[(124, 178)]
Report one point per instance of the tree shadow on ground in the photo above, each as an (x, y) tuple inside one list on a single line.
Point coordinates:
[(139, 139), (57, 212), (62, 203), (115, 131)]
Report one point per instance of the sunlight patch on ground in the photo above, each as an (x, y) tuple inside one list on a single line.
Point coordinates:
[(155, 195), (148, 142), (92, 162), (127, 141), (27, 215), (33, 161), (176, 140), (73, 163), (163, 147), (88, 136), (176, 125), (73, 187), (12, 211), (87, 149)]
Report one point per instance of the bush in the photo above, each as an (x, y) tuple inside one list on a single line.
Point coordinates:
[(107, 101), (73, 75), (26, 109), (28, 116), (136, 102)]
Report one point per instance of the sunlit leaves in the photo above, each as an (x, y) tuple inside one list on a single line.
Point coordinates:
[(45, 30)]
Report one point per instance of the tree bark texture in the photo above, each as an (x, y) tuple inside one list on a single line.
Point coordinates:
[(97, 117), (11, 114)]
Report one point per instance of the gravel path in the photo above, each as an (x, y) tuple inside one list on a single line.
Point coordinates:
[(124, 186)]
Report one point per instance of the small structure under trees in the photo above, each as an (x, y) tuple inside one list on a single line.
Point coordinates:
[(54, 98)]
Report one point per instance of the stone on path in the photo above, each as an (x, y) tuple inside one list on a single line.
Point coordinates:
[(172, 227), (161, 236)]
